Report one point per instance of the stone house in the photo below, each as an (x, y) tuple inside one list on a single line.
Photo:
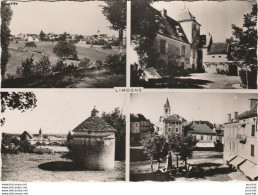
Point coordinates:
[(171, 44), (93, 144), (241, 141)]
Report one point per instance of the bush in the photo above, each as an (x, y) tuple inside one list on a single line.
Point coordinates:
[(27, 68), (99, 62), (85, 62), (42, 68), (64, 49), (59, 66), (117, 63)]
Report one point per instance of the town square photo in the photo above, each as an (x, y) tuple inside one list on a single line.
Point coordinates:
[(63, 44), (194, 44), (62, 136), (185, 136)]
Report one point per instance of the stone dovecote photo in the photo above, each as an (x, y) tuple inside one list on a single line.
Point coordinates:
[(93, 144)]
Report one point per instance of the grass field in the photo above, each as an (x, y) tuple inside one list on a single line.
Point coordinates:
[(26, 167), (97, 77), (47, 47)]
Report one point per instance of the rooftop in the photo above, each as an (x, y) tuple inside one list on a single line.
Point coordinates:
[(219, 48)]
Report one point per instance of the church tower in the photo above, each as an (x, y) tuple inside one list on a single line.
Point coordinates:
[(167, 108), (40, 132)]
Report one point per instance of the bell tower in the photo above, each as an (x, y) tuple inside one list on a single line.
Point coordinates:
[(167, 108)]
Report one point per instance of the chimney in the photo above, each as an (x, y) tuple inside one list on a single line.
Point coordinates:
[(235, 115), (252, 102), (164, 13), (229, 117), (94, 112)]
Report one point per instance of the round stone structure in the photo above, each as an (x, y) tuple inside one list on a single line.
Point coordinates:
[(93, 144)]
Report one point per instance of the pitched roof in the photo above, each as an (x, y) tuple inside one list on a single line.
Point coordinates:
[(249, 113), (173, 118), (219, 48), (134, 118), (170, 27), (201, 129), (94, 123), (186, 15), (26, 133)]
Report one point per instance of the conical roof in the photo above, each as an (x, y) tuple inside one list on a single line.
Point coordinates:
[(94, 123)]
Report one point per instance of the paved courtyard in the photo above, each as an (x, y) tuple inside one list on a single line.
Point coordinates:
[(214, 81)]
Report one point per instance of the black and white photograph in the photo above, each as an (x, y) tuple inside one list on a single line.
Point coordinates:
[(183, 137), (62, 136), (197, 44), (63, 44)]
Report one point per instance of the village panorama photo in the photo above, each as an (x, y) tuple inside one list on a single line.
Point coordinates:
[(183, 137), (63, 44), (62, 136), (198, 44)]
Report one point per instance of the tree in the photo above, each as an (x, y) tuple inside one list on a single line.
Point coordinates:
[(17, 101), (43, 66), (115, 12), (145, 25), (117, 120), (30, 44), (42, 36), (27, 68), (244, 46), (155, 147), (65, 49), (182, 146), (6, 16)]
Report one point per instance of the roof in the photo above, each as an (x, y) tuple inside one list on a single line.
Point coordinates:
[(170, 27), (173, 118), (249, 113), (186, 15), (94, 123), (219, 48), (151, 73), (201, 129), (26, 133), (137, 118)]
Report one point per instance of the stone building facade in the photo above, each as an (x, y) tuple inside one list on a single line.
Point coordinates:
[(241, 141)]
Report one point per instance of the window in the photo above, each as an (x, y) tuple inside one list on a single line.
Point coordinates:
[(201, 137), (253, 130), (162, 46), (211, 137), (252, 150), (213, 56), (219, 56), (183, 51), (176, 129)]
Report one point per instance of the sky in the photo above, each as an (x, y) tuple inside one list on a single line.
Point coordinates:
[(213, 107), (58, 112), (215, 17), (84, 18)]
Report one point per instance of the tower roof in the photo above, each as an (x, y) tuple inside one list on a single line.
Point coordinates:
[(167, 105), (94, 123), (186, 15)]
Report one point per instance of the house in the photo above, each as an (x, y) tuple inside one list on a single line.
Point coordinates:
[(205, 135), (139, 127), (216, 57), (33, 38), (169, 124), (93, 144), (241, 141), (171, 45)]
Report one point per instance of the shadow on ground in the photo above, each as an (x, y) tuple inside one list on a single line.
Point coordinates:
[(59, 166), (156, 176)]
